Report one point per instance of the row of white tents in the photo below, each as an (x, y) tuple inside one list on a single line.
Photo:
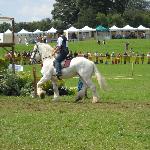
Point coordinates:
[(81, 33), (84, 29), (53, 30), (129, 28)]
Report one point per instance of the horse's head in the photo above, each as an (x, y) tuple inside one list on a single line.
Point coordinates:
[(36, 55), (41, 51)]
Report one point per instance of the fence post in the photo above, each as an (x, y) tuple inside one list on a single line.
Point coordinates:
[(132, 68), (34, 81)]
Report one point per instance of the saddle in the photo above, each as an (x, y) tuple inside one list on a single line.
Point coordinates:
[(65, 63)]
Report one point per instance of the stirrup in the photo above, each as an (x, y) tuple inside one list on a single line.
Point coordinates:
[(58, 76)]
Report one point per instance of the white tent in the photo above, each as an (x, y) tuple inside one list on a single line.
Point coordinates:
[(23, 31), (114, 28), (7, 36), (37, 31), (52, 30), (87, 29), (128, 28), (8, 32), (72, 29), (87, 32), (142, 28)]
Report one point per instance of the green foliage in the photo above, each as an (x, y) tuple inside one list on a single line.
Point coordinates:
[(14, 84), (4, 27), (48, 87), (68, 10), (119, 121), (102, 12), (102, 19), (9, 84), (3, 64)]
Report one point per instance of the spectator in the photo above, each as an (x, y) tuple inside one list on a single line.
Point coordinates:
[(98, 42), (142, 58), (86, 55), (148, 58), (96, 57), (75, 54), (125, 55), (101, 58), (104, 42), (126, 46), (113, 58), (70, 55), (26, 41), (107, 55), (136, 58)]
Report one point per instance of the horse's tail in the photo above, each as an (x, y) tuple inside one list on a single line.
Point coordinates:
[(100, 78)]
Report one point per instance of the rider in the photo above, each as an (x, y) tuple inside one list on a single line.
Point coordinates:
[(61, 50)]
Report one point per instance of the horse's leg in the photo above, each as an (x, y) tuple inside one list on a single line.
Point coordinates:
[(55, 88), (40, 92), (92, 86), (82, 93)]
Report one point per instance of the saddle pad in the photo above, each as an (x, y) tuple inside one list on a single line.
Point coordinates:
[(66, 63)]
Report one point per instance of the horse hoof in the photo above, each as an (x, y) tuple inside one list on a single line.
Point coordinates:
[(56, 99), (42, 95), (78, 99), (95, 100)]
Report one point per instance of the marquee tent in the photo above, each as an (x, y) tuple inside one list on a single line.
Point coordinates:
[(87, 29), (72, 29), (142, 28), (52, 30), (8, 32), (128, 28), (86, 32), (101, 29), (102, 33), (23, 31), (37, 31), (114, 28)]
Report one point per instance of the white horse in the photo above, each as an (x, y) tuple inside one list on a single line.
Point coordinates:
[(79, 66)]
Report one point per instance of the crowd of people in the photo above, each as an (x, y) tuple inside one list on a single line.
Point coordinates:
[(114, 58), (23, 58)]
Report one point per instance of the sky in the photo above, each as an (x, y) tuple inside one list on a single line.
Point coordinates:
[(26, 10)]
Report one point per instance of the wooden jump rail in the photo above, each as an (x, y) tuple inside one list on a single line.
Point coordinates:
[(6, 44)]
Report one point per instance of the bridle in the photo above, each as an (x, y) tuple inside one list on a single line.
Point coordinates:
[(36, 51)]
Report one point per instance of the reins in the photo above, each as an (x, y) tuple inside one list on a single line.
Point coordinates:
[(35, 52)]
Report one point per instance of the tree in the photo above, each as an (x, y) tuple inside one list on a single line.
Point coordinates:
[(4, 26), (84, 19), (102, 19), (137, 17), (94, 12), (66, 12)]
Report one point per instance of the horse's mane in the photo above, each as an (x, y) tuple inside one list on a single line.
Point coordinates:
[(45, 48)]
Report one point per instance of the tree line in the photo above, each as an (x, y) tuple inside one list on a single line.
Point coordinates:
[(79, 13)]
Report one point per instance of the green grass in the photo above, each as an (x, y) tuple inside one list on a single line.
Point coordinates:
[(138, 45), (120, 121), (41, 124)]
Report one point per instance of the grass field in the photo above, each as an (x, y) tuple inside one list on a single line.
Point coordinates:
[(138, 45), (120, 121)]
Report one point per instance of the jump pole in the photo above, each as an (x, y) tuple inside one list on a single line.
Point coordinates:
[(132, 68), (34, 80)]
